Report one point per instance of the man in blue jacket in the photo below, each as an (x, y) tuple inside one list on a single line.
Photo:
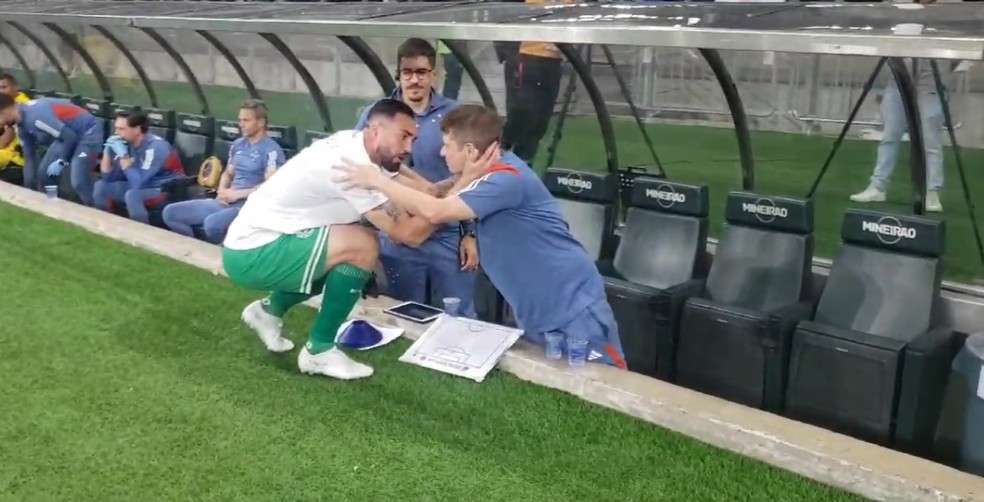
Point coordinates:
[(135, 164), (72, 134)]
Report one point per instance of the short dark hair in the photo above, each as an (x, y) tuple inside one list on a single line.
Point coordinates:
[(8, 77), (415, 48), (389, 108), (135, 117), (6, 101), (257, 106), (473, 124)]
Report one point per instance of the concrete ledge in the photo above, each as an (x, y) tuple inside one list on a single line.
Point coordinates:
[(834, 459)]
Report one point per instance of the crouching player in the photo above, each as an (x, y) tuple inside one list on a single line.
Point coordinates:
[(526, 248), (299, 234)]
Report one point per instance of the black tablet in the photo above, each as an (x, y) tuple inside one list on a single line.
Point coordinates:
[(416, 312)]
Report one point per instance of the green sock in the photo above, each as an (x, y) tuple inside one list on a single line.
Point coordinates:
[(278, 303), (343, 288)]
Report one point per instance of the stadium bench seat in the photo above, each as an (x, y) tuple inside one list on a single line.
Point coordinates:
[(655, 269), (102, 110), (734, 336), (195, 141), (587, 201), (226, 132), (312, 136), (286, 137), (874, 360), (163, 123)]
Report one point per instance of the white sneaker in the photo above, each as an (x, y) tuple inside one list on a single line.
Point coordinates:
[(332, 363), (933, 204), (267, 327), (870, 194)]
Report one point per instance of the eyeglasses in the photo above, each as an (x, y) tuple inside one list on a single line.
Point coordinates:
[(420, 73)]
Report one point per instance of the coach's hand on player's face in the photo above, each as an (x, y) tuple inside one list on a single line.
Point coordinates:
[(478, 163), (357, 174)]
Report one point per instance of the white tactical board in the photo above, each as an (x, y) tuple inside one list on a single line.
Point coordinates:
[(462, 347)]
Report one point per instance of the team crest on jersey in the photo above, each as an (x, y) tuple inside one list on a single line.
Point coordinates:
[(304, 234)]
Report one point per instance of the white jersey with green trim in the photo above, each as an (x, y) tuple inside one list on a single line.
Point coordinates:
[(305, 193)]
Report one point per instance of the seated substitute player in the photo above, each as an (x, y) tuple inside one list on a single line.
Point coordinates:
[(135, 165), (300, 234), (11, 155), (526, 247), (73, 136), (253, 158)]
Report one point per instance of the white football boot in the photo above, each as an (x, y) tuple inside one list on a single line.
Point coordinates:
[(332, 363), (870, 194), (933, 204), (267, 327)]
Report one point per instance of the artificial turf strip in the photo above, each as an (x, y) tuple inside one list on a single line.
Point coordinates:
[(128, 376)]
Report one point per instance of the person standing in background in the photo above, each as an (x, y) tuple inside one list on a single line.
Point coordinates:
[(894, 119), (533, 77)]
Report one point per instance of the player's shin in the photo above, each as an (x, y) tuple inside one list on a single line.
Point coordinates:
[(279, 302), (343, 288)]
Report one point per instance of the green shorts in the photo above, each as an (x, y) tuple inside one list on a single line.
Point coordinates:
[(290, 264)]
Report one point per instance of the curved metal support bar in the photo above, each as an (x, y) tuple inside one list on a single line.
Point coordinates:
[(917, 155), (371, 60), (72, 42), (141, 74), (319, 98), (20, 60), (731, 96), (44, 50), (467, 64), (182, 65), (228, 55), (601, 110)]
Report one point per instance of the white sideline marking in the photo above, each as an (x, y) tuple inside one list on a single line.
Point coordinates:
[(868, 470)]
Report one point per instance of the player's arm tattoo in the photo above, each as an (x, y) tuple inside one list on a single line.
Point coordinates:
[(441, 188), (393, 210)]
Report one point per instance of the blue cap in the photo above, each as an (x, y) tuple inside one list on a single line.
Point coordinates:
[(359, 334)]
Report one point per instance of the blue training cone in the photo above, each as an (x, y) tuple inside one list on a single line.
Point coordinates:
[(359, 335)]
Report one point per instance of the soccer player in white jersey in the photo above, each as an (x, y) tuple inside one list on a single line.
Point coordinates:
[(300, 234)]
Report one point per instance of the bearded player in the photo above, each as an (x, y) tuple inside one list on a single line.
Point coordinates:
[(300, 234)]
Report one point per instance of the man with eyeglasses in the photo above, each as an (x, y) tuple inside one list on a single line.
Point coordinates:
[(449, 259)]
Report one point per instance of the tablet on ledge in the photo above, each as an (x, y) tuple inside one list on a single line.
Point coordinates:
[(416, 312)]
